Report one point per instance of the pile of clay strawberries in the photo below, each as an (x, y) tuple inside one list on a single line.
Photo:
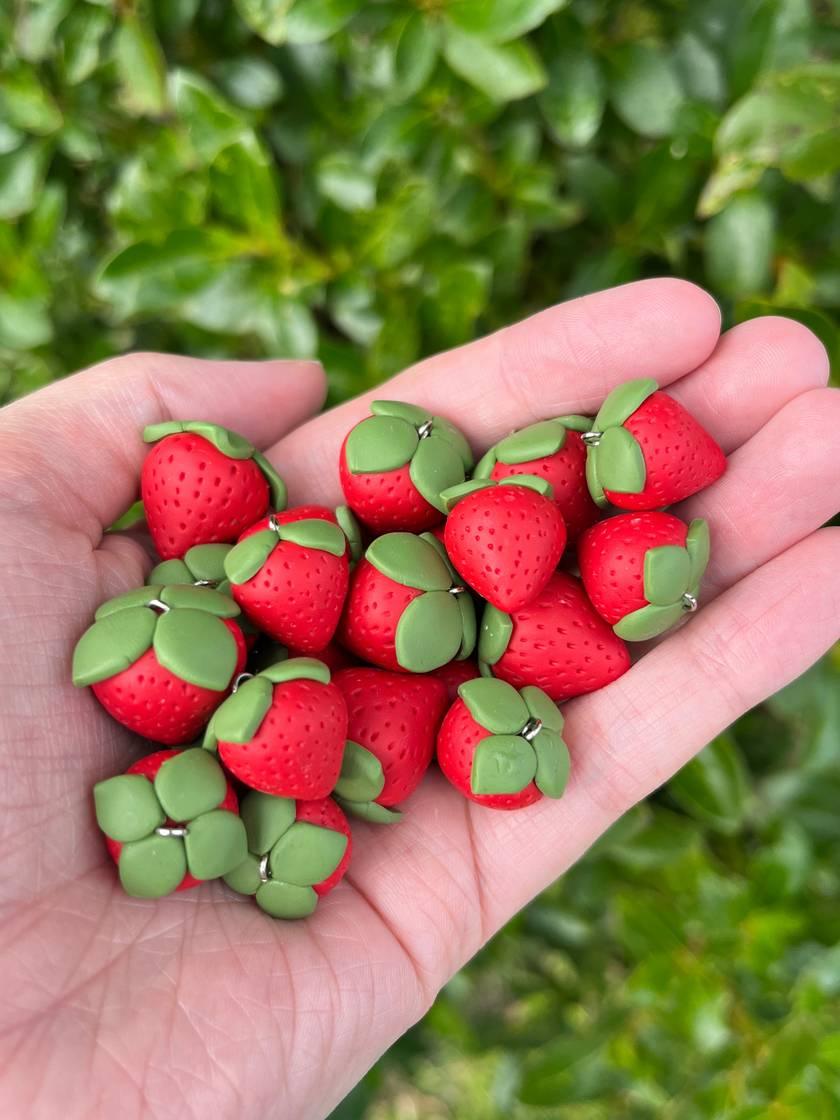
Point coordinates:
[(302, 665)]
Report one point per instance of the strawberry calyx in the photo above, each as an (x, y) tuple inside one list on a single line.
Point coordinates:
[(361, 781), (455, 494), (182, 624), (537, 441), (228, 443), (400, 434), (525, 743), (286, 858), (170, 826), (672, 576), (614, 457), (203, 565), (493, 637), (249, 555)]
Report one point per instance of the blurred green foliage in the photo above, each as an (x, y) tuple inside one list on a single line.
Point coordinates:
[(371, 181)]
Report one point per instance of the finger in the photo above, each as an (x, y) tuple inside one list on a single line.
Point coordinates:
[(78, 443), (755, 369), (565, 359)]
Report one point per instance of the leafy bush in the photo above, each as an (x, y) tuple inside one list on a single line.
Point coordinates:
[(373, 181)]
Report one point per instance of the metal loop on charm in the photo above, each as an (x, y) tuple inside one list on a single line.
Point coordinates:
[(165, 831), (263, 869), (457, 589), (531, 730), (689, 602), (425, 429), (159, 606), (240, 680), (592, 439), (273, 524), (205, 583)]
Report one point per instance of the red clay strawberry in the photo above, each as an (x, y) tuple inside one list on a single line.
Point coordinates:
[(557, 642), (454, 673), (283, 730), (202, 484), (393, 720), (504, 538), (642, 571), (503, 748), (170, 822), (395, 463), (646, 451), (289, 573), (160, 660), (555, 451), (297, 852), (405, 610)]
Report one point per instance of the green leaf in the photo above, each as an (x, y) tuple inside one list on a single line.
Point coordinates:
[(112, 644), (740, 245), (306, 854), (127, 808), (344, 181), (82, 38), (645, 91), (36, 28), (495, 634), (700, 69), (380, 443), (713, 787), (623, 401), (553, 763), (200, 599), (435, 466), (534, 442), (409, 560), (26, 104), (153, 867), (502, 764), (542, 707), (21, 175), (647, 622), (503, 73), (429, 633), (245, 879), (266, 818), (667, 569), (24, 323), (141, 67), (189, 784), (315, 533), (266, 17), (212, 124), (370, 811), (197, 647), (297, 669), (362, 777), (247, 557), (238, 718), (284, 900), (498, 21), (244, 185), (573, 102), (620, 462), (496, 705), (215, 843), (312, 21), (416, 53), (251, 81)]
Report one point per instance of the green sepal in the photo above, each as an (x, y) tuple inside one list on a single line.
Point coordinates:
[(370, 811), (496, 705), (468, 625), (495, 634), (409, 560), (247, 557), (171, 571), (380, 443), (593, 481), (245, 879), (197, 647), (484, 466), (112, 644), (137, 597), (485, 670), (266, 818), (238, 718), (297, 669), (205, 561), (435, 466), (284, 900), (531, 482), (574, 422), (667, 569), (306, 854), (134, 515), (454, 494), (361, 777), (698, 546), (553, 763), (537, 441), (203, 599), (502, 764), (276, 486), (648, 622), (127, 808), (542, 707), (314, 532), (223, 439), (429, 632), (215, 843), (189, 784), (621, 463), (622, 402), (152, 867), (445, 430), (352, 530), (410, 413)]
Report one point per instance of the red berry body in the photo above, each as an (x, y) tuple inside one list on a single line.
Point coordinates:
[(458, 737), (386, 501), (372, 612), (454, 673), (324, 813)]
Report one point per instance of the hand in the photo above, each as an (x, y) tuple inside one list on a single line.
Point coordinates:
[(199, 1004)]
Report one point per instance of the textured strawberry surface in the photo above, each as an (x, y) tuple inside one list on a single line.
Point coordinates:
[(149, 767), (505, 541), (387, 500), (566, 471), (193, 494), (154, 703), (332, 655), (326, 814), (561, 644), (612, 559), (298, 747), (458, 737), (396, 717), (454, 673), (372, 611), (681, 457), (297, 595)]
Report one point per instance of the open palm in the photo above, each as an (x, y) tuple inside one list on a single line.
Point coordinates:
[(198, 1004)]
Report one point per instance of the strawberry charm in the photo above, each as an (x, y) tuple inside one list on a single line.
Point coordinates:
[(170, 822), (557, 642), (203, 565), (289, 573), (555, 451), (395, 463), (501, 747), (405, 609), (646, 451), (642, 571), (393, 720), (160, 660), (283, 730), (201, 484), (297, 851), (504, 538), (454, 673)]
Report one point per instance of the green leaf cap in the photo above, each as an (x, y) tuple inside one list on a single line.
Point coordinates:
[(286, 858), (614, 458), (229, 443), (438, 625), (182, 624), (537, 441), (203, 565), (352, 530), (525, 743), (672, 577), (359, 784), (171, 825), (399, 434), (494, 636), (240, 716), (247, 557), (455, 494)]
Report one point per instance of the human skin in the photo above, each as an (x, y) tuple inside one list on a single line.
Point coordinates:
[(198, 1004)]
